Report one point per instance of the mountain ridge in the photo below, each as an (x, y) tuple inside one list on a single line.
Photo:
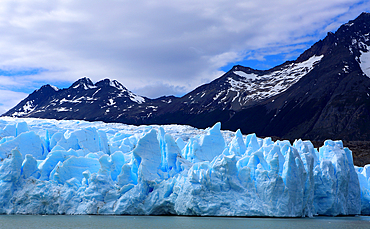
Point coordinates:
[(324, 93)]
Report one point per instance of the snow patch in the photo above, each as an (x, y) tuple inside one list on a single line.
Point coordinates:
[(86, 87), (96, 92), (111, 102), (364, 62), (265, 86), (245, 75), (218, 95), (116, 84), (28, 107), (136, 98), (62, 109), (54, 87), (64, 100)]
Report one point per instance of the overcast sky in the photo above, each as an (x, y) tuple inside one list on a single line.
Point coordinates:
[(154, 47)]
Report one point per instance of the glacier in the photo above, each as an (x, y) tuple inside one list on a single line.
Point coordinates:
[(80, 167)]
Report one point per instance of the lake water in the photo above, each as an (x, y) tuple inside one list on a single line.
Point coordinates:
[(137, 222)]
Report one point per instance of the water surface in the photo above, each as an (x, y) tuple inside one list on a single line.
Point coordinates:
[(86, 221)]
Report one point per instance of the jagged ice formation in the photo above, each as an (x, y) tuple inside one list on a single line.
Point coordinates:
[(78, 167)]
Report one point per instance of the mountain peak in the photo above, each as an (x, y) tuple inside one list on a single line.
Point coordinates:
[(357, 27), (349, 34), (363, 15), (363, 18), (111, 83), (47, 89), (84, 83), (116, 84)]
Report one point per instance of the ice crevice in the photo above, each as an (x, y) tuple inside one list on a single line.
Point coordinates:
[(77, 167)]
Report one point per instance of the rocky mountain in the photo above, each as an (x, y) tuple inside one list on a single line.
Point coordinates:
[(106, 100), (324, 93)]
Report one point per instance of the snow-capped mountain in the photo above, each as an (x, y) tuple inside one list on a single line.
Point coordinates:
[(324, 93), (242, 87), (82, 100)]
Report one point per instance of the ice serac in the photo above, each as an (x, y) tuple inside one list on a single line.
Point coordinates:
[(364, 179), (57, 167), (205, 147), (147, 156), (27, 143), (339, 179)]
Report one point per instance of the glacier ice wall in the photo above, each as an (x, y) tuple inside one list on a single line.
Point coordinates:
[(76, 167)]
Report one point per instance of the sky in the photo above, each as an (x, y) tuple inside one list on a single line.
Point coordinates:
[(154, 47)]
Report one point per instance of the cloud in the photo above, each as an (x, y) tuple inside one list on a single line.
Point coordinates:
[(173, 44), (9, 98), (159, 89)]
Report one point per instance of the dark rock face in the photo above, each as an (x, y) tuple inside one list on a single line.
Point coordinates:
[(323, 94), (332, 101)]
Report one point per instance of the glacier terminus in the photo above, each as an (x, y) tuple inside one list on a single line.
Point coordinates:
[(80, 167)]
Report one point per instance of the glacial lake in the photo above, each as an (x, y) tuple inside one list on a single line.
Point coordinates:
[(138, 222)]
